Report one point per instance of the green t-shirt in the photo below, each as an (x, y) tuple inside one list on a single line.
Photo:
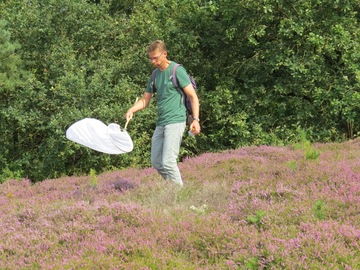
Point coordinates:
[(169, 101)]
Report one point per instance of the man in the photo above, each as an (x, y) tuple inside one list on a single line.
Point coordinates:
[(171, 121)]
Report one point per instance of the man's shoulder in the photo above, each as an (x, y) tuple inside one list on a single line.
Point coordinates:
[(180, 69)]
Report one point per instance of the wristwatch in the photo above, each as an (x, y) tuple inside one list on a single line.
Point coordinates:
[(197, 119)]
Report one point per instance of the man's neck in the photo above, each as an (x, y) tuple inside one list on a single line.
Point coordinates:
[(164, 65)]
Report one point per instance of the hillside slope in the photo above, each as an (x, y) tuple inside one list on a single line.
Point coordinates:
[(250, 208)]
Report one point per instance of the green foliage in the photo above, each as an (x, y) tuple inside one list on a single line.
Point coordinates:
[(252, 263), (75, 75), (310, 153), (256, 219), (292, 165), (320, 209), (229, 119), (12, 75), (263, 68), (93, 179), (303, 141), (7, 174)]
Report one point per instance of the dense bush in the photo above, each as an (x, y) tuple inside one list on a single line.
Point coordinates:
[(264, 69)]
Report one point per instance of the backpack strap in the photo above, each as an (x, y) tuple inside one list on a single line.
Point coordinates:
[(152, 84), (176, 83), (173, 75)]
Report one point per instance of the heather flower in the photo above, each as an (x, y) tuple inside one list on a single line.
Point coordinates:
[(255, 207)]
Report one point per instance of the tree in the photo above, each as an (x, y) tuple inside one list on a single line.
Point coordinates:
[(264, 69), (286, 64), (11, 81)]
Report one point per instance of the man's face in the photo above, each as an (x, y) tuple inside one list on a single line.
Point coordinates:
[(157, 57)]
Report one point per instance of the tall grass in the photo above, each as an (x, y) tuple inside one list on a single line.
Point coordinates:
[(251, 208)]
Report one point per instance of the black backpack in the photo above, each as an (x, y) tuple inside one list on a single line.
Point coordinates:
[(176, 84)]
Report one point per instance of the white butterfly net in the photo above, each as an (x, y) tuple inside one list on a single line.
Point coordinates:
[(96, 135)]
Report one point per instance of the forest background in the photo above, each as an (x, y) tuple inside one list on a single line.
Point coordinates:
[(265, 69)]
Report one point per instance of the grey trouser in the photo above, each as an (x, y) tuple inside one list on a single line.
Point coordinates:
[(165, 149)]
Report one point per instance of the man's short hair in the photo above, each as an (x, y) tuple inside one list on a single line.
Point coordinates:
[(157, 45)]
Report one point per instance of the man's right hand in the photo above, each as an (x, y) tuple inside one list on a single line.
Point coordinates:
[(129, 115), (138, 106)]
